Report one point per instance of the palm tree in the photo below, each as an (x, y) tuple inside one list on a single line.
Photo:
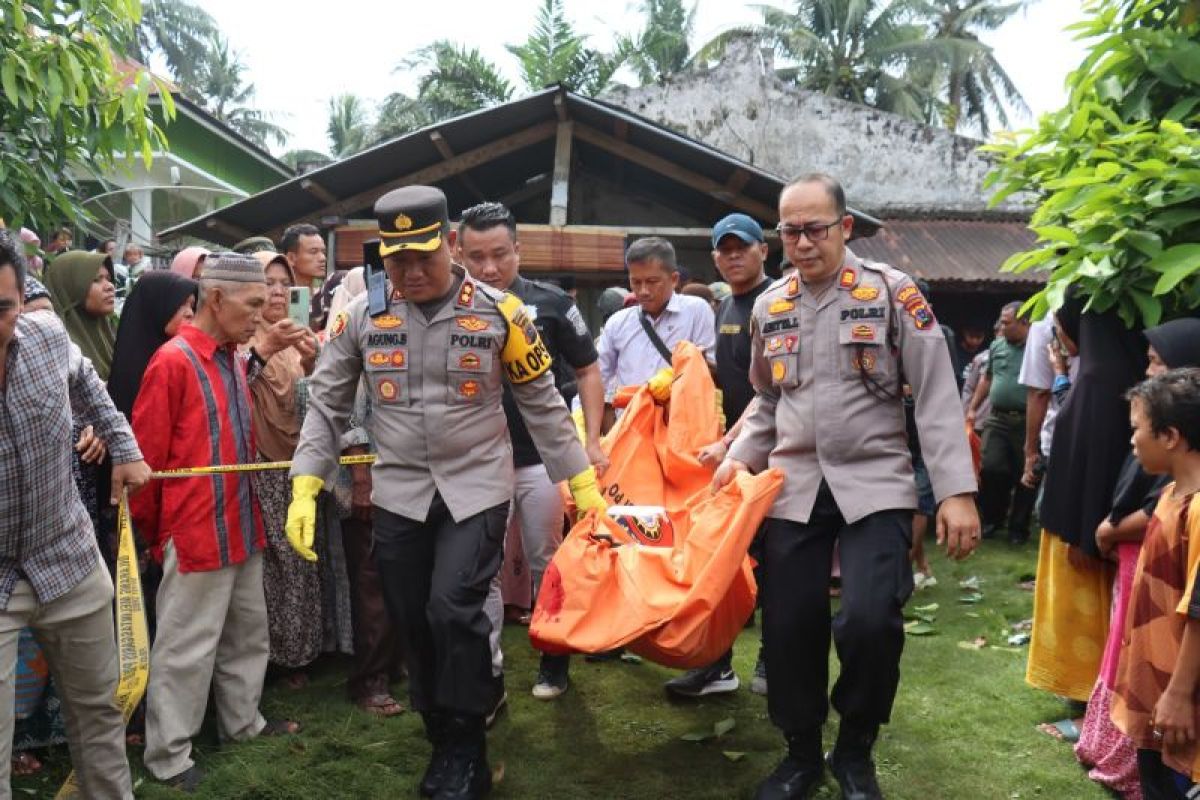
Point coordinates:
[(177, 30), (554, 53), (663, 47), (974, 84), (227, 96), (348, 125), (857, 50)]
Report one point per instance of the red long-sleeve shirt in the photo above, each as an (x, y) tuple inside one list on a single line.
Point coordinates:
[(193, 410)]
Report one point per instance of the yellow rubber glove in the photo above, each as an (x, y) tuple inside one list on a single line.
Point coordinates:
[(660, 384), (586, 492), (302, 515)]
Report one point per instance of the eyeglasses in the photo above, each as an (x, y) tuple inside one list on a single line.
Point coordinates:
[(815, 231)]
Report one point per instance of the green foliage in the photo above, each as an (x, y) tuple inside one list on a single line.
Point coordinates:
[(663, 47), (347, 127), (554, 53), (67, 111), (1116, 171), (177, 30), (921, 59)]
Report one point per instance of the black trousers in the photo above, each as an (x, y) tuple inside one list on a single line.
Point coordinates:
[(1002, 496), (435, 576), (868, 630), (1160, 782)]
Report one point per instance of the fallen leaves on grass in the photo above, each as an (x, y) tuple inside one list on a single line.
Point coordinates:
[(719, 729)]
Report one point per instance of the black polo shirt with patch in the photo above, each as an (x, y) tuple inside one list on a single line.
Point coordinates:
[(569, 342), (733, 351)]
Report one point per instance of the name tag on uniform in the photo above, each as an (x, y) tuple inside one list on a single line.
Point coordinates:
[(730, 330)]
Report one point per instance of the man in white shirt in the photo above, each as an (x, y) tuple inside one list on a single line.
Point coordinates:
[(628, 353), (1037, 376)]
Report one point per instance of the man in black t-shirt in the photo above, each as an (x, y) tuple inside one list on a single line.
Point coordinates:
[(739, 251), (487, 246)]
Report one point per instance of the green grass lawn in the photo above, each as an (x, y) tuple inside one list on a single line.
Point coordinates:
[(963, 725)]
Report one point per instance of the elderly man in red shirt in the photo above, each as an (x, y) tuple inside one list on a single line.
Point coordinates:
[(194, 410)]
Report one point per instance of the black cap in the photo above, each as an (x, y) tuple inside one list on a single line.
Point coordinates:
[(411, 218)]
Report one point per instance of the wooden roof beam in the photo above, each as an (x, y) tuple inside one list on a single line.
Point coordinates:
[(228, 229), (533, 188), (447, 153), (432, 174), (733, 186), (675, 172), (560, 191), (318, 191)]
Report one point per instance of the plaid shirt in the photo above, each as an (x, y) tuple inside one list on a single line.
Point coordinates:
[(46, 536)]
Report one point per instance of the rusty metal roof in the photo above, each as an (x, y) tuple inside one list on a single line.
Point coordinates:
[(950, 251)]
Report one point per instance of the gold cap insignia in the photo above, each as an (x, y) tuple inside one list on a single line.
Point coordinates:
[(402, 222)]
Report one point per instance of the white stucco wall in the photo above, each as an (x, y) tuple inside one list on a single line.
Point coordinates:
[(888, 165)]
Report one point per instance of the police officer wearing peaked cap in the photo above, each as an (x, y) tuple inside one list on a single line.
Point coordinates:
[(434, 356), (831, 346)]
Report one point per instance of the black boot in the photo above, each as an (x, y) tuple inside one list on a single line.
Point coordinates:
[(851, 764), (439, 762), (800, 772), (468, 775)]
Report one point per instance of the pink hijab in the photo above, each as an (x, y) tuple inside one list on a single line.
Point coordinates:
[(186, 261)]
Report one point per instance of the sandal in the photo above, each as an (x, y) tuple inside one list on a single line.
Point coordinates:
[(381, 705), (25, 764), (280, 727), (1065, 730)]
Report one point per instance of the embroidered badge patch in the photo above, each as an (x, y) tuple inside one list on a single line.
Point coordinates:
[(790, 343), (862, 333), (398, 359), (774, 343), (378, 358), (865, 294), (907, 294), (781, 306), (863, 361), (469, 361), (793, 286), (849, 276), (468, 388), (778, 370), (471, 323), (386, 322), (388, 389), (922, 315)]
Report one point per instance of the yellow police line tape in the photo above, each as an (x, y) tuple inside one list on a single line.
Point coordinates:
[(133, 636)]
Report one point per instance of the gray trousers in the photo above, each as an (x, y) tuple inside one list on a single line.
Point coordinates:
[(537, 508), (212, 631), (76, 632)]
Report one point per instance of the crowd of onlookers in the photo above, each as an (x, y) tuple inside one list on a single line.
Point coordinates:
[(1116, 595)]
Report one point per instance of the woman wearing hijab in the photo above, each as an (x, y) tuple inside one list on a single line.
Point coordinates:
[(189, 262), (292, 585), (159, 305), (1073, 592), (1110, 754)]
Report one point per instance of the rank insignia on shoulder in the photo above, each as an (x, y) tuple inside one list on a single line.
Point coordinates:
[(781, 306), (388, 389), (922, 315), (387, 322), (471, 323), (397, 295), (778, 370), (466, 295), (849, 276), (338, 325), (865, 293), (862, 333), (468, 388), (793, 286)]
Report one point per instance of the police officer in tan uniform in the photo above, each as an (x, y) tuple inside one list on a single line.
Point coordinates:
[(435, 351), (832, 345)]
